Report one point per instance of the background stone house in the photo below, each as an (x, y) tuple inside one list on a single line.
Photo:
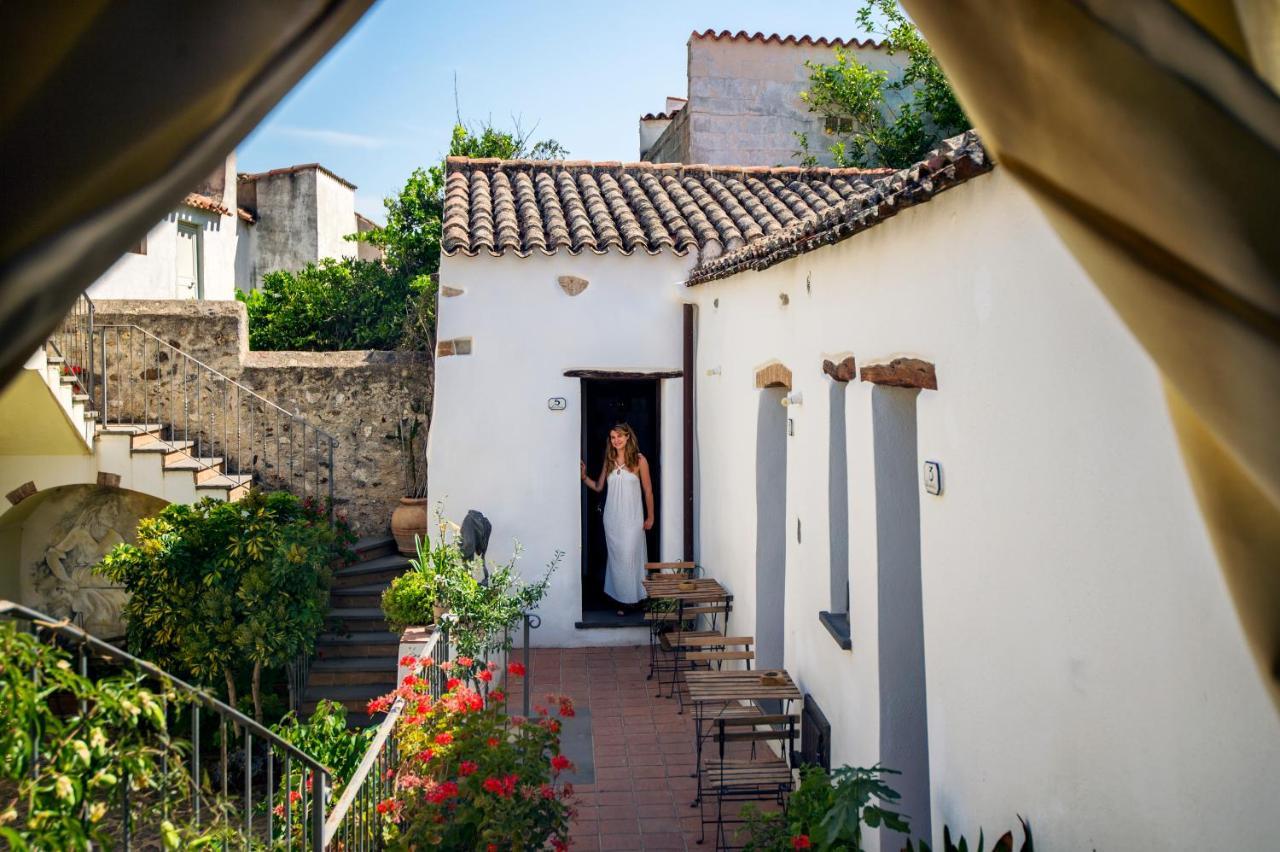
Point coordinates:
[(743, 103), (234, 228)]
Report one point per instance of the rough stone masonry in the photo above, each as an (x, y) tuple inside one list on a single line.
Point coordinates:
[(356, 396)]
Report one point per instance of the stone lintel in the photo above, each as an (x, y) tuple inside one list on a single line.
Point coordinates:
[(108, 480), (21, 493), (773, 376), (845, 371), (902, 373)]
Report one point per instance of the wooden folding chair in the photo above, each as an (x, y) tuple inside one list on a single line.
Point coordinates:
[(759, 776), (659, 616), (705, 649), (707, 620)]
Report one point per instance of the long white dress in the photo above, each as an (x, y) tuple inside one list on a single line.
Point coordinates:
[(624, 536)]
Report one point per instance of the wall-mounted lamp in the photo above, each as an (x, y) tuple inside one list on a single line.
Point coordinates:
[(793, 398)]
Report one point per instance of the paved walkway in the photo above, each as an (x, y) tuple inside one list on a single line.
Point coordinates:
[(634, 753)]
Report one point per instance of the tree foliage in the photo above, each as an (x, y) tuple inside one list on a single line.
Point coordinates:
[(333, 305), (876, 121), (219, 589)]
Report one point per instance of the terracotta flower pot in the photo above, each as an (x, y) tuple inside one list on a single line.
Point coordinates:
[(438, 610), (409, 520)]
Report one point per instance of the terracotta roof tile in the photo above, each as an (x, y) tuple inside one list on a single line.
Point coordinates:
[(774, 38), (841, 208), (522, 206), (204, 202), (661, 116)]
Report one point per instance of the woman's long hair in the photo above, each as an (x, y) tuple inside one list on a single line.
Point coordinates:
[(630, 452)]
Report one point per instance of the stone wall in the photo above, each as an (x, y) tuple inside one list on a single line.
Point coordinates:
[(357, 397)]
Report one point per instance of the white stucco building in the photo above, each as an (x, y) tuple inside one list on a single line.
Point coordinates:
[(1049, 635), (234, 228)]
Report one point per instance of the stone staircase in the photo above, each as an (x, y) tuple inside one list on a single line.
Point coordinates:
[(144, 457), (356, 659)]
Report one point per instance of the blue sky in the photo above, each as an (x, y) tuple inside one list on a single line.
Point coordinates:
[(382, 101)]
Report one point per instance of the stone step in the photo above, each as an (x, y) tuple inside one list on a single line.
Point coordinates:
[(355, 697), (171, 450), (382, 569), (203, 468), (380, 643), (235, 484), (358, 596), (357, 619), (342, 671), (372, 547)]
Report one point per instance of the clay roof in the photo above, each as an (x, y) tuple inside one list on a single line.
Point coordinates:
[(523, 206), (955, 161), (301, 167), (660, 116), (204, 202), (247, 215), (774, 38)]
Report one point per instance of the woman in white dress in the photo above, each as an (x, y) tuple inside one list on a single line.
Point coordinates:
[(628, 513)]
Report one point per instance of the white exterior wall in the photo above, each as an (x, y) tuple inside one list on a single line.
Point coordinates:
[(494, 444), (335, 217), (744, 99), (1085, 667), (153, 275)]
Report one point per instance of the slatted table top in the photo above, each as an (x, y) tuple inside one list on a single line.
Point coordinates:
[(705, 589), (716, 686)]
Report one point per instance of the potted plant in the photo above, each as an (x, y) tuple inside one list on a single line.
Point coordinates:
[(409, 520), (420, 596)]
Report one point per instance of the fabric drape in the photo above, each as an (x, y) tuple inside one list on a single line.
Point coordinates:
[(111, 111), (1149, 133)]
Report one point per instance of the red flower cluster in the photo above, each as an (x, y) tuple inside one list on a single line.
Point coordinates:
[(465, 661), (467, 767), (503, 787), (516, 669), (497, 696), (444, 739), (485, 676), (451, 684), (408, 661), (559, 763), (440, 792), (800, 841)]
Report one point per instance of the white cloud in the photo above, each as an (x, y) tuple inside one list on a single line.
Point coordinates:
[(337, 138)]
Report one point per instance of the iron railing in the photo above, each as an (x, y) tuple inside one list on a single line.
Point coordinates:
[(354, 822), (223, 426), (72, 341), (284, 774)]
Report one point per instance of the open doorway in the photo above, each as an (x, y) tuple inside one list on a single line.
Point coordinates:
[(605, 403)]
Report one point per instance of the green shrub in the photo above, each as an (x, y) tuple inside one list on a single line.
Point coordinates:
[(63, 771), (337, 304), (827, 811), (219, 589), (478, 612)]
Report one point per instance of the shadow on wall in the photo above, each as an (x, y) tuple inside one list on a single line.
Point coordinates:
[(904, 731), (771, 527)]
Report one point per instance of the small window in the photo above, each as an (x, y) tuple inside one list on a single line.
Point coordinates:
[(140, 247), (835, 124)]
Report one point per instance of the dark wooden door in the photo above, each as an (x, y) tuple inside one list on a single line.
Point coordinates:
[(607, 402)]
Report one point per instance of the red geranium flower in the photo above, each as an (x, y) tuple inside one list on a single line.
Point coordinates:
[(444, 739), (426, 754), (493, 785), (467, 767), (485, 676), (408, 660), (800, 841), (493, 742), (426, 662), (560, 763), (464, 661), (451, 684), (516, 669), (497, 696)]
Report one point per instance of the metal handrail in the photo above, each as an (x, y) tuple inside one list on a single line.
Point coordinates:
[(72, 341), (146, 380), (313, 824)]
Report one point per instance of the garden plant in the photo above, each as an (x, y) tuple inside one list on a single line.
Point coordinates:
[(469, 776), (221, 591)]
